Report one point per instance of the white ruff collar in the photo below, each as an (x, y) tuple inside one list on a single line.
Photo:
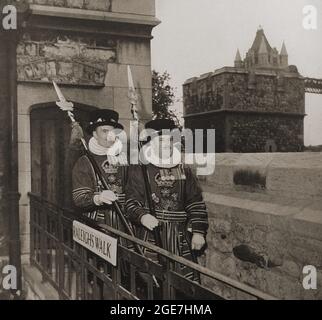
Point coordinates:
[(161, 163), (99, 150)]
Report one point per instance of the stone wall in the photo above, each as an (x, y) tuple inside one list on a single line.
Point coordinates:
[(217, 122), (265, 213), (268, 93), (252, 132), (204, 94), (260, 133)]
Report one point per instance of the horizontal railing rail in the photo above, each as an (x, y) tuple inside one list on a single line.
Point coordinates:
[(77, 273)]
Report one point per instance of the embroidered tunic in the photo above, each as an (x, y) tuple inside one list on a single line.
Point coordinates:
[(86, 185), (178, 204)]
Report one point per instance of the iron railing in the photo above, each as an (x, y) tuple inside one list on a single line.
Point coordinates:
[(77, 273)]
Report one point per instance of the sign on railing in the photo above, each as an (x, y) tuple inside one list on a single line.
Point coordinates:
[(100, 243)]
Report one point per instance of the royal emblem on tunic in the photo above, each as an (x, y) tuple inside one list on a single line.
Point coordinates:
[(163, 180), (108, 168)]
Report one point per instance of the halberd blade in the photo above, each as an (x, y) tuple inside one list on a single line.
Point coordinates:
[(63, 104)]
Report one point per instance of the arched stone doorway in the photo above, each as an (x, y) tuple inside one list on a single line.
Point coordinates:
[(51, 156)]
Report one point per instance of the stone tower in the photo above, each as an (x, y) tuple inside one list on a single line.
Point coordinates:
[(255, 106)]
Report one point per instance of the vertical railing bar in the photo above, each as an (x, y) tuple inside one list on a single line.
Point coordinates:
[(78, 282), (49, 266), (150, 288), (69, 272), (56, 252), (36, 234), (83, 272), (133, 280), (31, 226), (61, 254), (118, 276), (102, 270), (86, 274), (115, 279), (166, 284), (95, 279), (42, 241)]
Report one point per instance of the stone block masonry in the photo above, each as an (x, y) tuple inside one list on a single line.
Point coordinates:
[(264, 234), (270, 133)]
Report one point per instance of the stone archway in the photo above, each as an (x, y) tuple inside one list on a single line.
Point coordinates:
[(51, 157), (48, 120)]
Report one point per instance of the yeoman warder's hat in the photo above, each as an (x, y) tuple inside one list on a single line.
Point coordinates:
[(103, 117), (161, 124), (158, 125)]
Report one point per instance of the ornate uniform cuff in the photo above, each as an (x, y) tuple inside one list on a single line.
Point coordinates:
[(96, 200), (200, 227)]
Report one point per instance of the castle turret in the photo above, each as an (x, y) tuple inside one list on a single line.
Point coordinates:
[(261, 54), (238, 60), (283, 56)]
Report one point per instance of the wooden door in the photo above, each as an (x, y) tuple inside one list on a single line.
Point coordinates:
[(51, 156)]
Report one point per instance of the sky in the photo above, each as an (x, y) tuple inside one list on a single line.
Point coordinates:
[(199, 36)]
